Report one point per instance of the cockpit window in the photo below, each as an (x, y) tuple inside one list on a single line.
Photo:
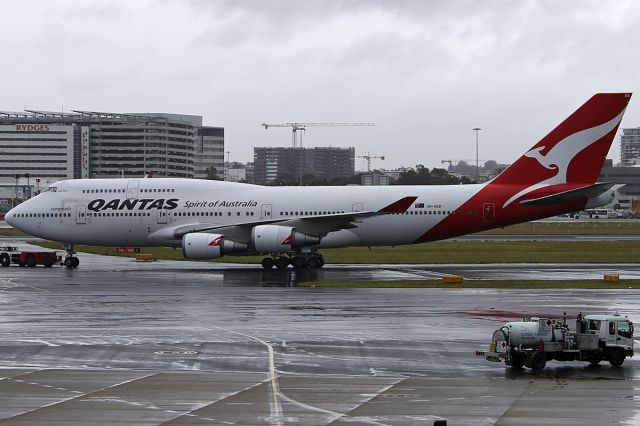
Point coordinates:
[(51, 188)]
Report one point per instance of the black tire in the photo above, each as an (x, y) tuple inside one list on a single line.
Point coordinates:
[(539, 361), (314, 262), (615, 357), (67, 262), (268, 263), (321, 258), (30, 261), (299, 262), (5, 260), (75, 262), (517, 362), (282, 262), (594, 359)]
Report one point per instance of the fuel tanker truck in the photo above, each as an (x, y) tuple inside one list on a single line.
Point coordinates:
[(534, 341)]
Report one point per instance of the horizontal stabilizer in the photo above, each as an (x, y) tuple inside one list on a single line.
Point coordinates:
[(589, 191)]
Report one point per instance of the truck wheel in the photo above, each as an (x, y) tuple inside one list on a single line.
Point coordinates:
[(615, 357), (30, 261), (539, 361), (517, 362), (5, 260), (594, 359)]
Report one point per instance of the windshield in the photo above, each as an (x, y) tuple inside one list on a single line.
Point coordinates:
[(625, 329), (51, 188)]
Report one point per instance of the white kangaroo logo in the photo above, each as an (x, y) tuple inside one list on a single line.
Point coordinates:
[(559, 157)]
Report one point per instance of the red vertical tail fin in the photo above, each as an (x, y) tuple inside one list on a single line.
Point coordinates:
[(573, 152)]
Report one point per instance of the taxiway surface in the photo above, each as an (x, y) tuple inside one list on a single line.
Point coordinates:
[(118, 342)]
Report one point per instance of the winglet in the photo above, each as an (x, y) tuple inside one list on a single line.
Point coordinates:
[(399, 206)]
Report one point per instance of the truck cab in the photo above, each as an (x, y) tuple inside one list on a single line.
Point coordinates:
[(613, 331)]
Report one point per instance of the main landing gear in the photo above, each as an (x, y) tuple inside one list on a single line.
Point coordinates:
[(71, 261), (312, 260)]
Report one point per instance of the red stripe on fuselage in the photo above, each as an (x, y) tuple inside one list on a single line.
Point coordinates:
[(472, 216)]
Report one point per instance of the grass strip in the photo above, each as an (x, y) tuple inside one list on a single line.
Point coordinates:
[(443, 252), (594, 227), (495, 284), (12, 232)]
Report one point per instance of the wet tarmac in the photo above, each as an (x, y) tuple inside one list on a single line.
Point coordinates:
[(117, 342)]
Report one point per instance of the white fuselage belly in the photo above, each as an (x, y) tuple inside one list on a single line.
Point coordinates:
[(91, 216)]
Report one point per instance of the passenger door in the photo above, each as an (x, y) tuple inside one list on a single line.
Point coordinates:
[(81, 215), (132, 189), (162, 216), (489, 212), (265, 212)]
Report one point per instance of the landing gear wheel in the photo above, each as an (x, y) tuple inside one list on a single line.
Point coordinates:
[(314, 262), (30, 261), (282, 262), (539, 361), (299, 262), (67, 262), (321, 259), (268, 262), (615, 357), (75, 262), (5, 260)]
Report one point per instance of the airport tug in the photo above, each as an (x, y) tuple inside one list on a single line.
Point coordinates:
[(534, 341)]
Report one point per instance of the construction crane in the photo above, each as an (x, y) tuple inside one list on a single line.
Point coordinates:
[(370, 157), (298, 128)]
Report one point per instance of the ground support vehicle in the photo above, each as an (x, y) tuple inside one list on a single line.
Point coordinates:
[(534, 341), (9, 255)]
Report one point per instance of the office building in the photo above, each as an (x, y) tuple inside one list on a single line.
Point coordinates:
[(630, 147), (273, 163), (107, 145)]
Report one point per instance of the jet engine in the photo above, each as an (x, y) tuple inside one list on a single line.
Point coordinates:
[(209, 246), (279, 239)]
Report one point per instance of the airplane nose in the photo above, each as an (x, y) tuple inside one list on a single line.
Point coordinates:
[(9, 218)]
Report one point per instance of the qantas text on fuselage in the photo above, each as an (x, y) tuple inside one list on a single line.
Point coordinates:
[(209, 219)]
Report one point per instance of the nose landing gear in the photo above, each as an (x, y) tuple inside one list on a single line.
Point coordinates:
[(71, 261)]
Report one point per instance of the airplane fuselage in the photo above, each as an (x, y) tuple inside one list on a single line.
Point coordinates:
[(130, 212)]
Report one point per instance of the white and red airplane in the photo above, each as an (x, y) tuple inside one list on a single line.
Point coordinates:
[(288, 225)]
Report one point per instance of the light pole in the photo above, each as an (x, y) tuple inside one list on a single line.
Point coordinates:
[(226, 168), (477, 130), (38, 186), (15, 203), (28, 176)]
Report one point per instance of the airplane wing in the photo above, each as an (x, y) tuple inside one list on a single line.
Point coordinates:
[(319, 225)]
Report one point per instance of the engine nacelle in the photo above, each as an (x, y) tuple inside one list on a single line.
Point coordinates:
[(279, 239), (209, 246)]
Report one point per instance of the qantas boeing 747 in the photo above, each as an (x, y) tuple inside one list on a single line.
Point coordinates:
[(288, 225)]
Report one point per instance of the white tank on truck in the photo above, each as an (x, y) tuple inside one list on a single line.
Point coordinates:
[(533, 331), (534, 341)]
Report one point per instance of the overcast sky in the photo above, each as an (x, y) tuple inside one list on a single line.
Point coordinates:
[(426, 72)]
